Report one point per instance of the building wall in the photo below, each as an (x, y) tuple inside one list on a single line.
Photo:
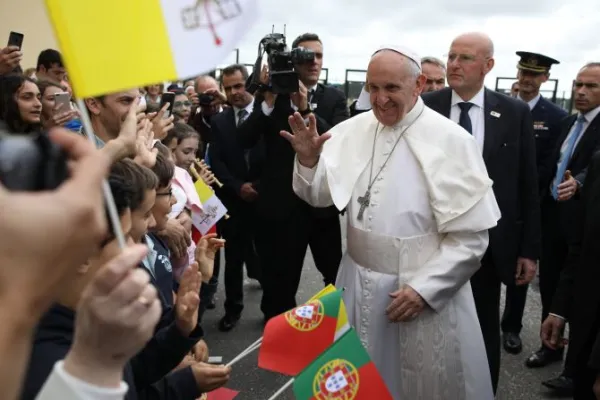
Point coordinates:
[(29, 18)]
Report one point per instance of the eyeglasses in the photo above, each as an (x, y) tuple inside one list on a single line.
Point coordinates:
[(169, 193), (182, 104), (464, 58)]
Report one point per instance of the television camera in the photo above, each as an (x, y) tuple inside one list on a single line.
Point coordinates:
[(283, 78)]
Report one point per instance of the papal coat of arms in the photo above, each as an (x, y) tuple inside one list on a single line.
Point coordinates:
[(336, 380), (209, 14), (306, 317)]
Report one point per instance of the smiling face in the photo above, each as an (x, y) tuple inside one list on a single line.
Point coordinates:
[(394, 85), (28, 100), (142, 219)]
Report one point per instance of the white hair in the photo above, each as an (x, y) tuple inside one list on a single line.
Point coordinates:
[(434, 61)]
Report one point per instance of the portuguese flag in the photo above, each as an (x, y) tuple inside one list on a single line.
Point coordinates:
[(292, 340), (344, 371)]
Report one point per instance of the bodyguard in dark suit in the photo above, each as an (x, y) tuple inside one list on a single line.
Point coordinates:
[(239, 171), (287, 224), (564, 176), (577, 297), (503, 128), (534, 70)]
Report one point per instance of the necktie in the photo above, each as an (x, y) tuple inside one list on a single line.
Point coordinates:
[(242, 115), (565, 156), (310, 96), (465, 120)]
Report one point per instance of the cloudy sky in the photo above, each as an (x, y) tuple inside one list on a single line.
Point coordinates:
[(352, 29)]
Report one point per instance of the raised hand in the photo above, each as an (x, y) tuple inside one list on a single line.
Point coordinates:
[(161, 125), (127, 139), (116, 317), (59, 118), (188, 300), (145, 151), (10, 57), (206, 250), (305, 140)]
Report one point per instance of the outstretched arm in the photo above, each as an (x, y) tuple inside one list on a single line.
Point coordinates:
[(310, 178)]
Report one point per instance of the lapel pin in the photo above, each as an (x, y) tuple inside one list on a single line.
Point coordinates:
[(495, 114)]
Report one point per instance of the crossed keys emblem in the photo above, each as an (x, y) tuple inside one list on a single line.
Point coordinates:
[(209, 13), (209, 213)]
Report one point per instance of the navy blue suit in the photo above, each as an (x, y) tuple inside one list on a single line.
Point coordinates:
[(547, 118)]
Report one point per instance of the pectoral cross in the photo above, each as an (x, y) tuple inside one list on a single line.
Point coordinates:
[(364, 202)]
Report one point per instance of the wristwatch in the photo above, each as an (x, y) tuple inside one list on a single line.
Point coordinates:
[(308, 110)]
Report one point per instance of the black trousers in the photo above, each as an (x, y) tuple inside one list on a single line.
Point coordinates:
[(486, 292), (514, 307), (239, 234), (554, 254), (282, 246), (577, 361)]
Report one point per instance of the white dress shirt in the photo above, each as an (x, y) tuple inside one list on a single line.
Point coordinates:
[(476, 113), (248, 108), (531, 103), (589, 117), (61, 385)]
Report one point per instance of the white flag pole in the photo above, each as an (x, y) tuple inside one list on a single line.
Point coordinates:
[(113, 215), (282, 389), (246, 351)]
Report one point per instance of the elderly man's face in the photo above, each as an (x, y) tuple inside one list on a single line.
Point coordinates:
[(392, 86), (436, 77)]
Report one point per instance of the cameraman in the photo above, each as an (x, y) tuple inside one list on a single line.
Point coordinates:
[(207, 102), (287, 225)]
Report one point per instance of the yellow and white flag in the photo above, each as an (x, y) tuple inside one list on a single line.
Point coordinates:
[(113, 45)]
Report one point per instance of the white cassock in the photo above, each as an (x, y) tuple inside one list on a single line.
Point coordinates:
[(426, 227)]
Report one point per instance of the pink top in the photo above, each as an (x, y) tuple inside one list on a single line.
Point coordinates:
[(187, 197)]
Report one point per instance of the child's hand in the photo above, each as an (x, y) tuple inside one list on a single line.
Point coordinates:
[(206, 251)]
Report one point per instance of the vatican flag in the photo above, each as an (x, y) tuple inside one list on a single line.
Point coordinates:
[(113, 45)]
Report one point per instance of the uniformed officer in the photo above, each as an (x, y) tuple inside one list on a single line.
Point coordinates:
[(533, 71)]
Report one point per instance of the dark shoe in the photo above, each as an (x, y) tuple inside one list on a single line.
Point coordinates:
[(561, 385), (543, 357), (228, 322), (210, 304), (512, 343)]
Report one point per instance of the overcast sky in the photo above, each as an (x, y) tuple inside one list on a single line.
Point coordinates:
[(352, 29)]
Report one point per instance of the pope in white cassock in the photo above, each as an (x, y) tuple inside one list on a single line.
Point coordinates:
[(419, 204)]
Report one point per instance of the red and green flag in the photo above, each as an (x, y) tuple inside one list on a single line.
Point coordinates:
[(344, 371), (292, 340), (220, 394)]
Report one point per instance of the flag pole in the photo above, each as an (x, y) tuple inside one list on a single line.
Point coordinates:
[(246, 351), (113, 214), (282, 389)]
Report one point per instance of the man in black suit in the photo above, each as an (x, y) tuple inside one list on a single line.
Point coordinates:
[(534, 70), (287, 224), (239, 171), (564, 175), (504, 130)]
